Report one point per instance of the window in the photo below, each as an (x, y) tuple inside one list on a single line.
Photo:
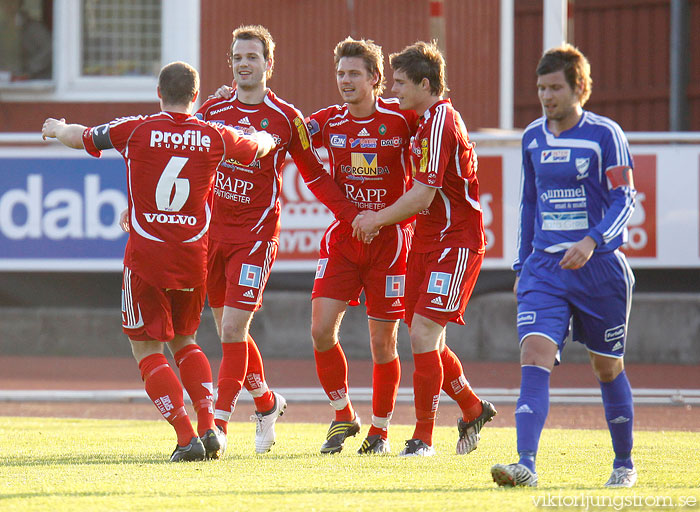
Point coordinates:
[(92, 50), (121, 37), (25, 41)]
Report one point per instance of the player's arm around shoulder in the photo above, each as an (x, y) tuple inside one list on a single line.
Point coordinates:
[(244, 148), (266, 143)]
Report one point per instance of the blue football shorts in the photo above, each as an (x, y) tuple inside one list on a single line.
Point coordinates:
[(594, 301)]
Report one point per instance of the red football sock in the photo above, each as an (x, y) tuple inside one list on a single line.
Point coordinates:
[(385, 386), (231, 374), (457, 386), (195, 373), (165, 392), (255, 379), (427, 380), (332, 370)]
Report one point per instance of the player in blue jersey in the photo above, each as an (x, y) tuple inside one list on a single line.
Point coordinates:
[(577, 196)]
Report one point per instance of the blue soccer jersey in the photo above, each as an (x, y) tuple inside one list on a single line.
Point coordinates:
[(577, 184)]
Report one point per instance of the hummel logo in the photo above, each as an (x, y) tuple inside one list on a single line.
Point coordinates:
[(437, 300), (249, 294), (617, 346), (524, 409), (532, 144), (245, 120), (620, 419), (396, 304), (363, 133)]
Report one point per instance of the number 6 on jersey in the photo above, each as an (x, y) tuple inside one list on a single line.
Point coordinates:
[(169, 180)]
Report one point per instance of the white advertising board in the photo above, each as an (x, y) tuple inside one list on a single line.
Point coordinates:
[(59, 208)]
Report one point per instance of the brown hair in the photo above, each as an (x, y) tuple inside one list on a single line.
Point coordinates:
[(422, 60), (250, 32), (178, 83), (575, 65), (369, 52)]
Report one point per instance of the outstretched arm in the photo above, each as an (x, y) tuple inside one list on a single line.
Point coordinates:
[(70, 135)]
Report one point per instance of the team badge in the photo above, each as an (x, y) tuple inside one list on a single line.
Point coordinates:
[(264, 123), (382, 130), (582, 167)]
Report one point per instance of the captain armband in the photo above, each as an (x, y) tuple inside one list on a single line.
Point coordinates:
[(100, 137), (620, 176)]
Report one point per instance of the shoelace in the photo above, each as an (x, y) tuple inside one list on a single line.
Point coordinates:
[(258, 422)]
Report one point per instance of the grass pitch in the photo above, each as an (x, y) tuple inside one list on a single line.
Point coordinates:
[(94, 465)]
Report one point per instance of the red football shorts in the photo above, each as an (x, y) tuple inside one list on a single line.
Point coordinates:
[(150, 313), (237, 273), (346, 266), (439, 283)]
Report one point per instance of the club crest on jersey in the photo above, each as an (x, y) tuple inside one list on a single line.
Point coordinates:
[(439, 283), (250, 276), (553, 156), (264, 123), (338, 140), (382, 130), (395, 286), (582, 165)]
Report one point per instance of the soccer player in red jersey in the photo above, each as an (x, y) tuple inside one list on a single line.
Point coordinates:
[(367, 141), (170, 160), (246, 222), (448, 246)]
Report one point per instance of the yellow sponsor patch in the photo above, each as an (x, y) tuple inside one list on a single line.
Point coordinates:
[(425, 155), (301, 128), (364, 164)]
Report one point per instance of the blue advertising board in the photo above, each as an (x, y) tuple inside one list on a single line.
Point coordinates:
[(59, 210)]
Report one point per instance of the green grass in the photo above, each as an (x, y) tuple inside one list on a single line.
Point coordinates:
[(93, 465)]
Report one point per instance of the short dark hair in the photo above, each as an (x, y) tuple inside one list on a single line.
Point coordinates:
[(577, 69), (178, 83), (422, 60), (369, 52), (250, 32)]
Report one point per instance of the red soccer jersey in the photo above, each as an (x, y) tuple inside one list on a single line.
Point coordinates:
[(444, 158), (170, 163), (246, 197), (369, 156)]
